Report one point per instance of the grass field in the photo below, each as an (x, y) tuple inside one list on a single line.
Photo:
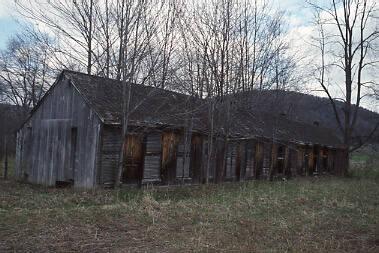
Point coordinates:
[(307, 215), (325, 214)]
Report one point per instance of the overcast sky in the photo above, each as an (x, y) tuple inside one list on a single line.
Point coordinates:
[(298, 16), (8, 24)]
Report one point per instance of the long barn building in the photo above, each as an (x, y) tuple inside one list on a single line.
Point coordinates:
[(73, 136)]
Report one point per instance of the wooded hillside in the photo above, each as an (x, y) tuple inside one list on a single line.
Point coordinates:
[(309, 109)]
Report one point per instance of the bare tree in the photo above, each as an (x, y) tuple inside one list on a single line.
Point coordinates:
[(25, 73), (227, 47), (74, 25), (346, 40), (140, 63), (207, 49)]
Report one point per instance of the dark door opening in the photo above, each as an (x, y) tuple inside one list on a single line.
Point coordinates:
[(169, 153), (133, 163)]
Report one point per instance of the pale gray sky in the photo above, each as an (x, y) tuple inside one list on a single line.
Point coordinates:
[(298, 15)]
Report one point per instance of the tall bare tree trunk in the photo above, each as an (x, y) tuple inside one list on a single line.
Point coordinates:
[(128, 79), (210, 140), (347, 17), (89, 42)]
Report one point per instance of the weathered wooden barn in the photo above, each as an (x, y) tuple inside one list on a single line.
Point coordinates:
[(73, 136)]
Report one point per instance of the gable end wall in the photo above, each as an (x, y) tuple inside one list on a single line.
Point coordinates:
[(45, 143)]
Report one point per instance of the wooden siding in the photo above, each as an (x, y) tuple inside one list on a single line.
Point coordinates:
[(331, 155), (169, 154), (267, 155), (241, 161), (273, 160), (196, 158), (64, 140), (205, 171), (133, 159), (309, 161), (287, 162), (219, 162), (300, 161), (231, 162), (183, 159), (110, 151), (259, 159), (250, 160), (293, 160), (324, 160), (152, 159), (46, 144)]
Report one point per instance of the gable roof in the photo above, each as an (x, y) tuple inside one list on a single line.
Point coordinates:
[(260, 124), (151, 106)]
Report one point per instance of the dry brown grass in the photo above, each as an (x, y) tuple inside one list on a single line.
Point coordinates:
[(302, 215)]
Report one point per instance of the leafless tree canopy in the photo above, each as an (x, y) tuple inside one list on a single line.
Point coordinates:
[(347, 40), (182, 45), (207, 49), (25, 73)]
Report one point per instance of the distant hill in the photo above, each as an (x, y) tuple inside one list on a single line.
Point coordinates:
[(307, 108)]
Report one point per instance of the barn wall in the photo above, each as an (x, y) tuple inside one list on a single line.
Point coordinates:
[(231, 161), (267, 156), (153, 158), (46, 143), (331, 155), (259, 159), (287, 162), (250, 160), (61, 142), (170, 140), (196, 158), (310, 161), (293, 155), (109, 154), (163, 158), (133, 159), (150, 144), (208, 170), (320, 161), (241, 162), (273, 160), (183, 158), (163, 155), (300, 161)]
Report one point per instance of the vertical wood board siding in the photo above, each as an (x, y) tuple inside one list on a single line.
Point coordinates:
[(152, 159), (46, 145)]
